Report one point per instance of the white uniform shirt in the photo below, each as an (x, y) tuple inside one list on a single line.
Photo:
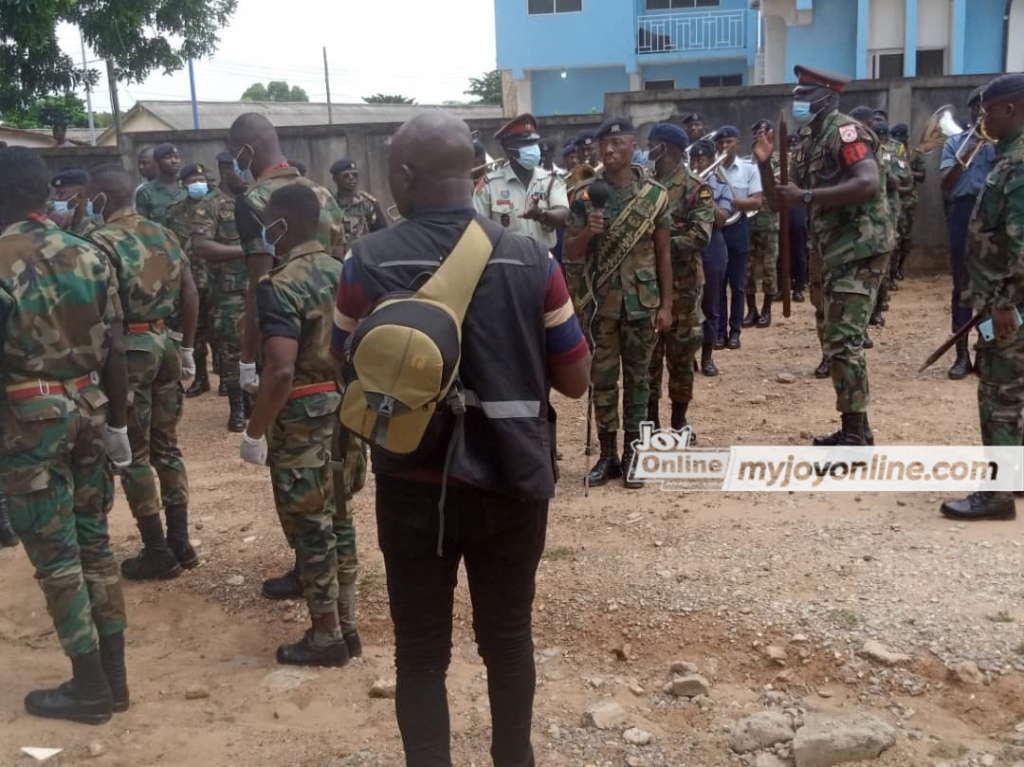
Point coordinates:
[(502, 198), (744, 177)]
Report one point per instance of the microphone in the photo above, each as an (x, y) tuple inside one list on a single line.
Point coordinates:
[(598, 193)]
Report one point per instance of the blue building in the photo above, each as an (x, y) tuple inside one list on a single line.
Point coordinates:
[(562, 56)]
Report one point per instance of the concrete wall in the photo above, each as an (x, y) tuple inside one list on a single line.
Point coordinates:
[(908, 100)]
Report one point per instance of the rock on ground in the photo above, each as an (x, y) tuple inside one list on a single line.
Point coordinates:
[(690, 686), (876, 651), (762, 730), (383, 688), (768, 759), (827, 739), (966, 672), (637, 737), (606, 715)]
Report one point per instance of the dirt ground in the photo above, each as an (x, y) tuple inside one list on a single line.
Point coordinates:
[(709, 578)]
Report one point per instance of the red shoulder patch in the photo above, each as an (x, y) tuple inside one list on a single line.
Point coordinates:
[(848, 133)]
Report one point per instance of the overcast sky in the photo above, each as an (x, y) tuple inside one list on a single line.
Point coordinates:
[(424, 50)]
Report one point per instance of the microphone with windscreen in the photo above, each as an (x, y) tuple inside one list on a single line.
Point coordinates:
[(598, 194)]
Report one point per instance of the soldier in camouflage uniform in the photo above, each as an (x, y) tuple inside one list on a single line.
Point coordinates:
[(154, 198), (215, 241), (157, 293), (63, 394), (69, 208), (917, 162), (898, 181), (764, 250), (296, 409), (258, 158), (360, 211), (692, 208), (995, 268), (626, 248), (180, 217), (839, 180)]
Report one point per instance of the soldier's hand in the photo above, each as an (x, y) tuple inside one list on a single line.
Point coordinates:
[(532, 213), (119, 449), (764, 146), (663, 319), (188, 363), (595, 223), (788, 195), (254, 451), (248, 378), (1004, 323)]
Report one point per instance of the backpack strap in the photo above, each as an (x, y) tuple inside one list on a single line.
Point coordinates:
[(456, 279)]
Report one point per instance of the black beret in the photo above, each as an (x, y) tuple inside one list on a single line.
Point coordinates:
[(703, 148), (1003, 86), (727, 131), (670, 133), (226, 158), (975, 97), (162, 150), (70, 177), (585, 138), (615, 126), (342, 165), (299, 165), (862, 114), (547, 145), (693, 117), (900, 130), (568, 147), (762, 124), (191, 170), (881, 127), (879, 112)]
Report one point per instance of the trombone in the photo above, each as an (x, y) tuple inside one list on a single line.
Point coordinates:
[(942, 126)]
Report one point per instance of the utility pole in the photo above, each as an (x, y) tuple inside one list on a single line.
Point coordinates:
[(192, 84), (115, 108), (88, 93), (327, 82)]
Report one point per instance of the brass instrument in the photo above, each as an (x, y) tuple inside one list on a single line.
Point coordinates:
[(942, 126), (394, 215), (581, 173), (712, 169), (720, 175), (488, 167), (709, 136)]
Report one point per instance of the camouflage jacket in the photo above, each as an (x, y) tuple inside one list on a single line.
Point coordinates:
[(215, 218), (58, 296), (918, 161), (692, 208), (331, 232), (360, 216), (995, 264), (154, 198), (296, 300), (148, 261), (891, 161), (766, 219), (854, 232), (633, 290)]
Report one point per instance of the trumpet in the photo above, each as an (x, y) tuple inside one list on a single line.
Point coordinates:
[(487, 167), (581, 173), (712, 169)]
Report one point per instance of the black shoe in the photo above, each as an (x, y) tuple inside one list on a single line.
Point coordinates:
[(984, 505), (962, 366), (8, 537), (287, 586), (177, 536), (751, 317), (893, 285), (765, 320), (707, 364), (607, 466), (719, 343), (112, 658), (823, 370), (734, 340), (899, 275), (201, 383), (236, 418), (628, 480), (222, 388), (867, 343), (884, 308), (354, 644), (152, 563), (679, 421), (85, 699), (836, 438), (797, 296), (306, 653), (877, 319)]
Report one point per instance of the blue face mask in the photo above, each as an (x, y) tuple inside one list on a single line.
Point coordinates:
[(197, 190), (245, 176), (529, 156), (90, 210), (271, 247), (61, 207), (802, 112)]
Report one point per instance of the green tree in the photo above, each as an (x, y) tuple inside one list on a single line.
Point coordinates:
[(487, 89), (45, 111), (275, 90), (384, 98), (138, 36)]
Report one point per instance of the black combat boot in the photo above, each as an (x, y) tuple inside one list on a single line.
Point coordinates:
[(962, 366), (797, 296), (322, 645), (156, 560), (236, 401), (707, 364), (866, 341), (628, 480), (835, 439), (7, 535), (734, 340), (347, 619), (177, 536), (823, 370), (983, 505), (201, 383), (719, 343), (654, 413), (751, 317), (679, 421), (876, 318), (607, 466), (765, 320), (112, 657), (85, 698), (287, 586), (222, 388)]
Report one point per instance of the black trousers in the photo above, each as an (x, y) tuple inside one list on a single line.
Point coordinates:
[(501, 541)]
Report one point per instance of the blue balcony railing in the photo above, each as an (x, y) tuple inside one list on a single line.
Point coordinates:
[(691, 31)]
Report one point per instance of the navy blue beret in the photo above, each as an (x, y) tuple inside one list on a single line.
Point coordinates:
[(975, 97), (191, 170), (762, 124), (162, 150), (703, 148), (568, 147), (615, 126), (900, 130), (585, 138), (727, 131), (881, 127), (862, 114), (670, 133), (693, 117), (342, 165), (1003, 86), (70, 177)]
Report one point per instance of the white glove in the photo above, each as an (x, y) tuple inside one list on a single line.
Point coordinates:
[(188, 363), (248, 378), (254, 450), (119, 450)]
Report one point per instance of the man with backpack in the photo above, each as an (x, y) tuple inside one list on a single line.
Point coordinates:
[(474, 480)]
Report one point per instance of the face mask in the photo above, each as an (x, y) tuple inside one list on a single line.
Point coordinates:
[(529, 156), (272, 246), (96, 216), (802, 112), (60, 207), (197, 190), (654, 155), (245, 176)]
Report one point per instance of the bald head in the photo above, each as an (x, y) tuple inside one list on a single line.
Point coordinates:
[(115, 184), (253, 140), (430, 163)]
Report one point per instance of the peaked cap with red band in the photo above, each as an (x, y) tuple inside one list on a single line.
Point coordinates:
[(821, 78), (523, 127)]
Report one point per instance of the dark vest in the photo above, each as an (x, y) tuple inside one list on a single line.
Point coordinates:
[(507, 445)]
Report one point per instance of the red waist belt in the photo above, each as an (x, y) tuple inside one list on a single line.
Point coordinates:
[(317, 388), (45, 387), (149, 326)]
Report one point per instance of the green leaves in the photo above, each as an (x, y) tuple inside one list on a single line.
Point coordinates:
[(487, 89), (385, 98), (275, 90)]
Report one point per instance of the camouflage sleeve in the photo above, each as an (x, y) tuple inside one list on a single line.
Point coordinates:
[(1009, 290), (577, 214), (249, 228), (664, 221), (278, 317), (378, 220), (113, 312), (204, 220), (693, 218), (339, 245)]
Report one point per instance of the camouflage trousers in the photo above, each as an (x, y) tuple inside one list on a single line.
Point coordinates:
[(228, 309), (54, 471), (814, 290), (764, 250), (849, 294), (574, 272), (679, 344), (907, 212), (1001, 391), (204, 323), (313, 498), (154, 410), (883, 284), (631, 342)]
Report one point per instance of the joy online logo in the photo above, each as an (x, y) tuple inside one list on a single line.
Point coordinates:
[(665, 456)]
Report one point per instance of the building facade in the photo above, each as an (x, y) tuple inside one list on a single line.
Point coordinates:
[(562, 56)]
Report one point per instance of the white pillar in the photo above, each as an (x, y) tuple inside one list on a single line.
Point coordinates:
[(774, 50), (517, 93), (636, 81)]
